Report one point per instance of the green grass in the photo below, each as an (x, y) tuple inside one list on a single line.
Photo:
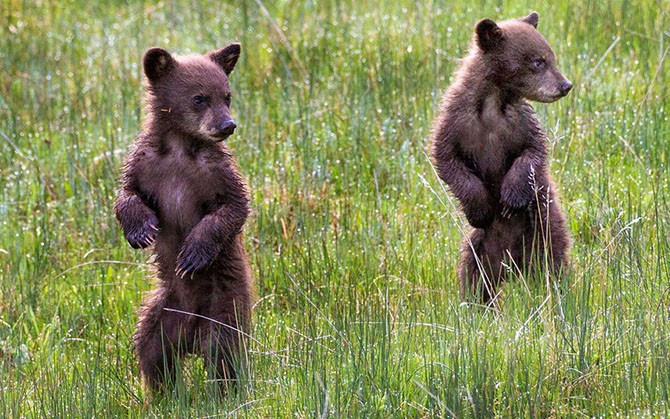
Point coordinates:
[(353, 239)]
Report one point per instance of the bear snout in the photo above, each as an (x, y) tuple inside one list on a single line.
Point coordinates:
[(565, 87), (225, 129), (228, 127)]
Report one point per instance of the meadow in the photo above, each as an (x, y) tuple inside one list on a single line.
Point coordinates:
[(353, 239)]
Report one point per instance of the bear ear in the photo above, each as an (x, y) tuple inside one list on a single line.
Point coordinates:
[(226, 57), (489, 35), (532, 19), (157, 63)]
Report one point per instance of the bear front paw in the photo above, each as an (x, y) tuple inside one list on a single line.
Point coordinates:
[(142, 234), (515, 199), (139, 222), (480, 216), (193, 258)]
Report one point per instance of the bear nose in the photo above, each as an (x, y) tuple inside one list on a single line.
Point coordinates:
[(228, 127), (565, 87)]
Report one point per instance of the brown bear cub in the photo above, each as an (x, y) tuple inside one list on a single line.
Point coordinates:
[(182, 193), (489, 148)]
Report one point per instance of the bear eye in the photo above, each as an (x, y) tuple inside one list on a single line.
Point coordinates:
[(228, 98), (198, 100), (538, 63)]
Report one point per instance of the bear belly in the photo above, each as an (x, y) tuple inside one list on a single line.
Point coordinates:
[(508, 236)]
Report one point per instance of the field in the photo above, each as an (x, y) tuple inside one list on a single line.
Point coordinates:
[(353, 239)]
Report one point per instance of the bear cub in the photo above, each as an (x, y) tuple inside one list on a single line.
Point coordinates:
[(489, 148), (183, 194)]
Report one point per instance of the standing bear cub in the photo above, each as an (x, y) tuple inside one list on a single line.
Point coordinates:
[(489, 148), (182, 192)]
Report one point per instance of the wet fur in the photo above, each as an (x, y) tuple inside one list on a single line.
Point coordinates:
[(489, 147), (182, 192)]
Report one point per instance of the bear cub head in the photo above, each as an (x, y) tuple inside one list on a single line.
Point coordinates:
[(520, 60), (191, 94)]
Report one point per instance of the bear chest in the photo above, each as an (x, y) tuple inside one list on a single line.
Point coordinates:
[(181, 188), (496, 140), (490, 155)]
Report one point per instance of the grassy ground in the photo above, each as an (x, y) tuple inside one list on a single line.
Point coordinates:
[(353, 239)]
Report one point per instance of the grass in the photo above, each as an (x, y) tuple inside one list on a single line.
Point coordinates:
[(353, 238)]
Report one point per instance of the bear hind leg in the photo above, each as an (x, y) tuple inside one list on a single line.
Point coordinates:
[(156, 357), (222, 347), (476, 278), (157, 342)]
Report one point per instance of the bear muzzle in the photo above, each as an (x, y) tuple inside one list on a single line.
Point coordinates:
[(565, 87), (225, 129)]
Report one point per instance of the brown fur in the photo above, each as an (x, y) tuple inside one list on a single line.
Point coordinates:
[(182, 192), (489, 147)]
